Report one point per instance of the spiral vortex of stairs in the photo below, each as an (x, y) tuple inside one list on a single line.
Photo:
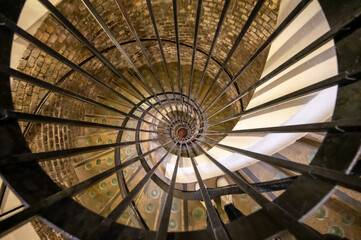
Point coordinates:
[(112, 110)]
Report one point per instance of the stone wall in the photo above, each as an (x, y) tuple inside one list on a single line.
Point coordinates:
[(47, 137)]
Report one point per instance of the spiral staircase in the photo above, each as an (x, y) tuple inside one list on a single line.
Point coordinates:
[(111, 111)]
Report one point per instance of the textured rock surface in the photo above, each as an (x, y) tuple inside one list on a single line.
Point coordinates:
[(46, 137)]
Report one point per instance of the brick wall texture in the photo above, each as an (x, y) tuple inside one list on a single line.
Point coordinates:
[(26, 97)]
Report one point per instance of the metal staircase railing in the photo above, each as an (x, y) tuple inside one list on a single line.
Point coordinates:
[(164, 115)]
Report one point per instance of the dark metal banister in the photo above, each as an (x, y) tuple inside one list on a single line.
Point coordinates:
[(271, 210), (103, 25), (45, 156), (104, 226), (337, 177), (347, 77), (27, 129), (27, 78), (338, 126), (199, 9), (343, 78), (214, 41), (180, 76), (301, 231), (163, 226), (339, 32), (149, 4), (218, 230), (121, 6), (239, 38), (295, 12), (68, 25), (54, 120), (18, 219), (11, 25)]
